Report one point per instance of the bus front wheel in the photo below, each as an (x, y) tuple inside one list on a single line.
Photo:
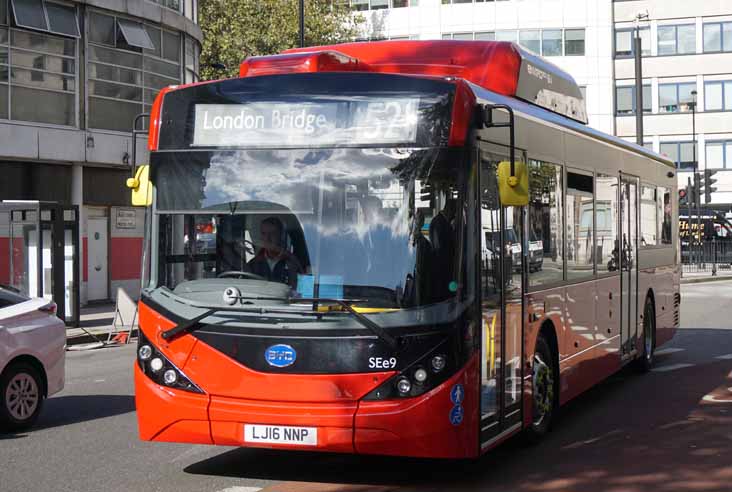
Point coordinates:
[(645, 362), (544, 385)]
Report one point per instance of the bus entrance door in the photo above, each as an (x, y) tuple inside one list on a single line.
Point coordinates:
[(502, 286), (628, 256)]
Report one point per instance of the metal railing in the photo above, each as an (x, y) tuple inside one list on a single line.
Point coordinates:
[(707, 256)]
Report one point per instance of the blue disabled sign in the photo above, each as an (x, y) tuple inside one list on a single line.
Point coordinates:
[(456, 415), (457, 394)]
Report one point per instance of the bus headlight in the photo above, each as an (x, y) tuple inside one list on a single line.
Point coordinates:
[(158, 368), (431, 370)]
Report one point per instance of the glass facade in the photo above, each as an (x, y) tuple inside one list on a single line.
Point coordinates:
[(128, 62)]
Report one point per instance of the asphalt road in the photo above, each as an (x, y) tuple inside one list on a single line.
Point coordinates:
[(667, 431)]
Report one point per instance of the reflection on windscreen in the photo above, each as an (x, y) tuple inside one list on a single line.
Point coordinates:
[(384, 226)]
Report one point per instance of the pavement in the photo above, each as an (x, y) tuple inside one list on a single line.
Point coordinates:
[(95, 323)]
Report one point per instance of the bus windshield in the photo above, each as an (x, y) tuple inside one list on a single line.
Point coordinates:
[(384, 227)]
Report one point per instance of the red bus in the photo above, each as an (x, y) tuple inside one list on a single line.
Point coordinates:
[(410, 248)]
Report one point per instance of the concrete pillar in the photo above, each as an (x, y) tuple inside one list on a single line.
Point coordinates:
[(77, 198)]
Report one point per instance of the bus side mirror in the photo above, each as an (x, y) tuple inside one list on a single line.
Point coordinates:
[(513, 190), (141, 187)]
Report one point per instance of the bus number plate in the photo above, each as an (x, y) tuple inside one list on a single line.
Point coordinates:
[(280, 434)]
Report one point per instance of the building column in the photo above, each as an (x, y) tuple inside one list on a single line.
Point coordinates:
[(77, 198)]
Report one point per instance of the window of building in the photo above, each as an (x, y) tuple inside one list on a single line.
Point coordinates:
[(4, 73), (128, 63), (42, 77), (133, 34), (682, 153), (46, 16), (485, 36), (192, 55), (676, 40), (580, 211), (464, 36), (511, 36), (717, 37), (545, 220), (171, 4), (385, 4), (718, 96), (574, 42), (624, 42), (676, 98), (606, 220), (719, 155), (3, 12), (551, 42), (625, 100), (530, 40), (649, 220)]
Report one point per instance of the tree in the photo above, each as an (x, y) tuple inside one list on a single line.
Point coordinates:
[(235, 29)]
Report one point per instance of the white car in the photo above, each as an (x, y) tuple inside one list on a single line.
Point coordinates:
[(32, 357)]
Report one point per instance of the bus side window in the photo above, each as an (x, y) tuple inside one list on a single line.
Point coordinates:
[(545, 218), (580, 197), (649, 221), (606, 218), (664, 214)]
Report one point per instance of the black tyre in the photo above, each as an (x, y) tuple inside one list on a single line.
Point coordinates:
[(544, 389), (645, 362), (21, 397)]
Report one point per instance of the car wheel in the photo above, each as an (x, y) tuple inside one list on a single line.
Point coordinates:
[(645, 362), (21, 391), (544, 385)]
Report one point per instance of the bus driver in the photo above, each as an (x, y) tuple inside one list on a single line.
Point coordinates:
[(273, 262)]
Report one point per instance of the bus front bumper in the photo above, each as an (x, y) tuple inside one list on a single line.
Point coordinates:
[(423, 426)]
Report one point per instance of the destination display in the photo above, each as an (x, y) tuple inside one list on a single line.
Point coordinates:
[(359, 121)]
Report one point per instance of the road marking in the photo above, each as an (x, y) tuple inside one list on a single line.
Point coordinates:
[(672, 367), (241, 489), (724, 357), (670, 350)]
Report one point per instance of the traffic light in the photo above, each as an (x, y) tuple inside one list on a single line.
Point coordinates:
[(708, 182)]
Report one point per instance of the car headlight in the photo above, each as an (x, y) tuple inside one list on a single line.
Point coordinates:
[(158, 368)]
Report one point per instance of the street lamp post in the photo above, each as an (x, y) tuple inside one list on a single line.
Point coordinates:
[(697, 178), (638, 52), (302, 23)]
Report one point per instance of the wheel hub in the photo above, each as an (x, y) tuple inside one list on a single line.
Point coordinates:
[(21, 396), (543, 389)]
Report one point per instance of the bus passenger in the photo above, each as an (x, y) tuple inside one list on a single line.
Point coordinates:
[(273, 261)]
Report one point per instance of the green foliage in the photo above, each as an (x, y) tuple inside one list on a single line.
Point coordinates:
[(235, 29)]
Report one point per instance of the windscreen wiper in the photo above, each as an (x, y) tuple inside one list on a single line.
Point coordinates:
[(375, 328)]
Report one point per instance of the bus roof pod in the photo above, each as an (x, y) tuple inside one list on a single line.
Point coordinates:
[(501, 67)]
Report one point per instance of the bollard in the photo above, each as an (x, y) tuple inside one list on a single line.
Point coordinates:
[(714, 257)]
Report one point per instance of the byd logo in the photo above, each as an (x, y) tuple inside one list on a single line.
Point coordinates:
[(280, 355)]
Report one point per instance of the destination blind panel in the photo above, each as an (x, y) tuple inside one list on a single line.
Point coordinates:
[(321, 123)]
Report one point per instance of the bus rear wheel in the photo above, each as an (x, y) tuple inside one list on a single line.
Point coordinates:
[(544, 384), (645, 362)]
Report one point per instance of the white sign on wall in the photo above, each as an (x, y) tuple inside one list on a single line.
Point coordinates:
[(126, 218)]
